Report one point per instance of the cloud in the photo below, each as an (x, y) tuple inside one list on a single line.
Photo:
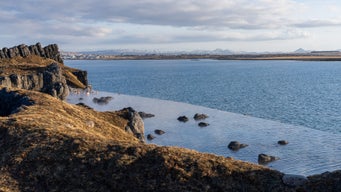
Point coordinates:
[(243, 14), (90, 23), (317, 23)]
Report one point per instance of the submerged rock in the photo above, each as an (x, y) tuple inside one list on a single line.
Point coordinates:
[(264, 159), (150, 137), (282, 142), (235, 145), (183, 119), (159, 132), (203, 124), (102, 100), (146, 115), (199, 116)]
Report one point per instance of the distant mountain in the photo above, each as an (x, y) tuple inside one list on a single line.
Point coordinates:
[(300, 50)]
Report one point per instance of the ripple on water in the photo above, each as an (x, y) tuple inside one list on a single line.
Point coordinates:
[(309, 151)]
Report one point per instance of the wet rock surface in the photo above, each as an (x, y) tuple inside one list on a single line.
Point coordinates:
[(203, 124), (235, 145), (145, 115), (264, 159), (283, 142), (183, 119), (199, 116), (150, 137), (159, 132), (102, 100)]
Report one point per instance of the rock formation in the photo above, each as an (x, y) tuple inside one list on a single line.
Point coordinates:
[(135, 125), (39, 69), (50, 51)]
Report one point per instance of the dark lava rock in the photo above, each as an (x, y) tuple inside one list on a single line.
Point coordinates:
[(264, 159), (150, 137), (235, 145), (282, 142), (11, 102), (294, 180), (203, 124), (198, 116), (327, 181), (102, 100), (84, 105), (183, 119), (135, 125), (146, 115), (159, 132)]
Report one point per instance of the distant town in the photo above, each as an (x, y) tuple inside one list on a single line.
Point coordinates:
[(299, 54)]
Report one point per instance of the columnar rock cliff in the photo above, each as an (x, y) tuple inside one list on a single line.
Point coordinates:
[(50, 51), (39, 69)]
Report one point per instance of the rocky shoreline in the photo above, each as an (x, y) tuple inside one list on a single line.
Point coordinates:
[(47, 144)]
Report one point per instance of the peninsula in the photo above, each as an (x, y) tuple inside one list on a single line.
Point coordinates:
[(47, 144)]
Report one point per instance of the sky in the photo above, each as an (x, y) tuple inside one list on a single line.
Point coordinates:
[(169, 25)]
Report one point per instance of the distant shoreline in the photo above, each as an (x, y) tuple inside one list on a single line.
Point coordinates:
[(298, 57)]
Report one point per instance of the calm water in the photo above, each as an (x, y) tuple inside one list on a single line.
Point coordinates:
[(309, 151), (293, 92)]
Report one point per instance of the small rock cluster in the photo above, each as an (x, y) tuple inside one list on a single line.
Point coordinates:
[(196, 117)]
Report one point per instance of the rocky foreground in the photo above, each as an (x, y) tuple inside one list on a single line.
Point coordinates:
[(47, 144)]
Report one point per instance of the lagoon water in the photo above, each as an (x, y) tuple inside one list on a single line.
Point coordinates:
[(254, 102)]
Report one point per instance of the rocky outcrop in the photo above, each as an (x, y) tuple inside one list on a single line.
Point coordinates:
[(50, 51), (48, 80), (54, 82), (39, 69), (135, 125)]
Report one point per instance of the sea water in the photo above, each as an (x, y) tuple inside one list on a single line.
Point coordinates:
[(306, 93), (311, 149)]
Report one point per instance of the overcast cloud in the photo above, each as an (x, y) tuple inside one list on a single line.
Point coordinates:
[(105, 24)]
